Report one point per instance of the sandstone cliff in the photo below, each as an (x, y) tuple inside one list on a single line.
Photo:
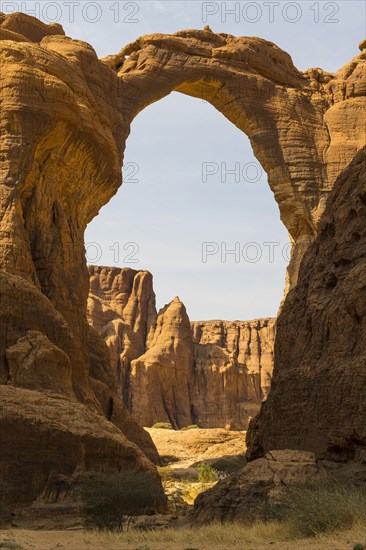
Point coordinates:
[(209, 373), (61, 415), (233, 370), (65, 116), (320, 356)]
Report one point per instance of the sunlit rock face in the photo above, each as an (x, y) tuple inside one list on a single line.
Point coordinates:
[(65, 116), (209, 373)]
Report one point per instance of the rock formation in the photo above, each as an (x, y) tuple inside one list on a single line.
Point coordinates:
[(58, 393), (209, 373), (65, 116), (244, 495), (233, 370), (320, 376)]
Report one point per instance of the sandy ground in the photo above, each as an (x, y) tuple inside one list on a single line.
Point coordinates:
[(197, 445), (78, 540)]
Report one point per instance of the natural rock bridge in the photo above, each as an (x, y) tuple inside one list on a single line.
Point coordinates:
[(65, 118)]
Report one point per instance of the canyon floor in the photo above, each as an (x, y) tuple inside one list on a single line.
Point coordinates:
[(223, 537), (186, 448), (181, 452)]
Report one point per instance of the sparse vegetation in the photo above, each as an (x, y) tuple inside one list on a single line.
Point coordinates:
[(190, 427), (206, 473), (216, 536), (212, 536), (10, 545), (162, 426), (110, 499), (321, 507)]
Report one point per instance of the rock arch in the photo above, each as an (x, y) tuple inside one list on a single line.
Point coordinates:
[(65, 118)]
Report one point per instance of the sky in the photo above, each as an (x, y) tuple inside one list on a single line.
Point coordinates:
[(193, 191)]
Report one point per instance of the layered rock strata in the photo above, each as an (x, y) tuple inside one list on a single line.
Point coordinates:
[(209, 373), (320, 356)]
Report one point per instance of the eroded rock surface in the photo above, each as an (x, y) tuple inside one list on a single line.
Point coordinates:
[(209, 373), (320, 355), (233, 370), (245, 495), (50, 358)]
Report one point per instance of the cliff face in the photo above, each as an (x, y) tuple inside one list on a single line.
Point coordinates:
[(57, 390), (121, 307), (320, 375), (210, 373), (232, 371)]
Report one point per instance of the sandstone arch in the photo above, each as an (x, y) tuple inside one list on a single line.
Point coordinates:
[(65, 118), (78, 111)]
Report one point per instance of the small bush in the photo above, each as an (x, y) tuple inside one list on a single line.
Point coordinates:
[(109, 498), (206, 473), (322, 507), (10, 545), (190, 427), (162, 426)]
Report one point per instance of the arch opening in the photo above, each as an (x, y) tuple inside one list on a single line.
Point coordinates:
[(191, 186), (195, 210)]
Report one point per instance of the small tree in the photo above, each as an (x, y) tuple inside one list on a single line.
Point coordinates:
[(108, 499)]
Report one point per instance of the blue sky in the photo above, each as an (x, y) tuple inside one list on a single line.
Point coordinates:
[(164, 207)]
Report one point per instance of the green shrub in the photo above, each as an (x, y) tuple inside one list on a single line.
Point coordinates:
[(190, 427), (321, 507), (206, 473), (163, 426), (8, 544), (108, 499)]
